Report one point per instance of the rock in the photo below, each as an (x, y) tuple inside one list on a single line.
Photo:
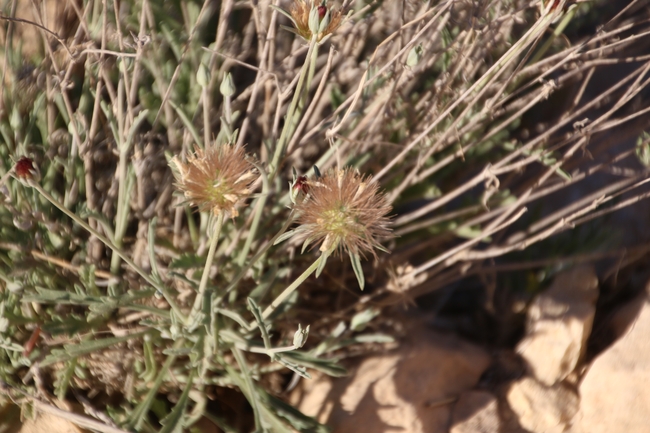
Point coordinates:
[(410, 389), (559, 323), (48, 423), (475, 412), (615, 391), (542, 409)]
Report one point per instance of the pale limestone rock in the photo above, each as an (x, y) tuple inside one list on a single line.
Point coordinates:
[(475, 412), (542, 409), (410, 389), (559, 323), (48, 423), (615, 391)]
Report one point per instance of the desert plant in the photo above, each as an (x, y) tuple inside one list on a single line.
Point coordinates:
[(155, 238)]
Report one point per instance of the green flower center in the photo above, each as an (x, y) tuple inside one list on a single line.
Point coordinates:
[(341, 220), (218, 191)]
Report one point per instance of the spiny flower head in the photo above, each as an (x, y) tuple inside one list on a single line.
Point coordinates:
[(344, 211), (217, 180), (324, 20)]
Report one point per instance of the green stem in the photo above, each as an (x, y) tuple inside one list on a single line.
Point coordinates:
[(250, 387), (291, 117), (138, 415), (498, 68), (267, 351), (288, 291), (259, 209), (214, 240), (311, 56), (122, 212), (206, 118), (310, 76), (116, 250), (254, 260), (556, 33)]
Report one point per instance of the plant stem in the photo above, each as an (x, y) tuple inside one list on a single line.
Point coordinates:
[(254, 260), (250, 387), (116, 250), (259, 209), (138, 415), (292, 114), (266, 351), (556, 33), (214, 240), (206, 118), (121, 213), (288, 291)]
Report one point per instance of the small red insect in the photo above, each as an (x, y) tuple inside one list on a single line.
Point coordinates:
[(301, 185), (24, 168)]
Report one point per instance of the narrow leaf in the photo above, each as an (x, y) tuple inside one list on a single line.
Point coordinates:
[(137, 417), (283, 12), (358, 270), (361, 319), (327, 366), (187, 122), (71, 351), (172, 422), (283, 237), (151, 241), (257, 313), (321, 264)]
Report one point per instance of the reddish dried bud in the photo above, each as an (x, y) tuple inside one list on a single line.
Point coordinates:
[(300, 12), (24, 168), (322, 10)]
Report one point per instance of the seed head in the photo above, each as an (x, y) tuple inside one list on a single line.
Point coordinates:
[(300, 11), (345, 212), (216, 180)]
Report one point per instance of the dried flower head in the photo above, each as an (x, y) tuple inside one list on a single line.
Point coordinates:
[(325, 20), (216, 180), (26, 170), (345, 212)]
